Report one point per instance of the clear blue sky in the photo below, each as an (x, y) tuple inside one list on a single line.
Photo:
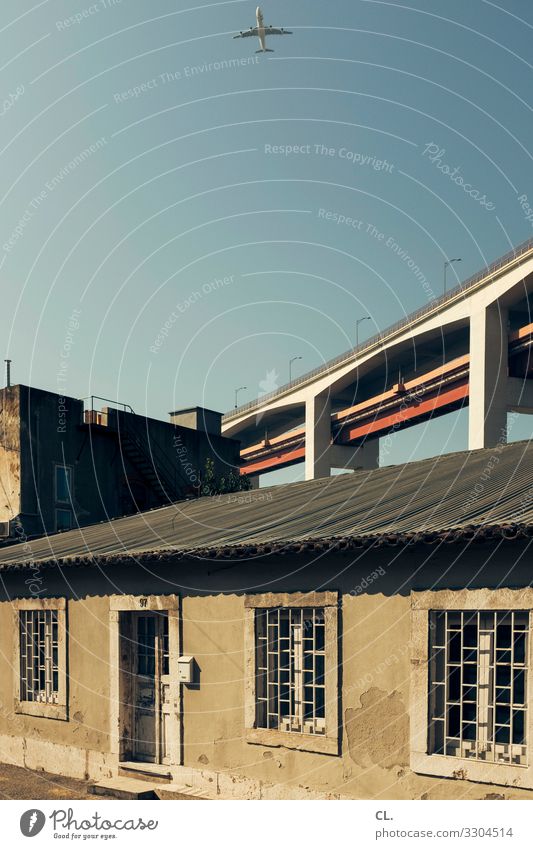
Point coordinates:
[(178, 190)]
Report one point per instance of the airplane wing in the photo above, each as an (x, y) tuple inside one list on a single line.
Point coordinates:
[(275, 31), (247, 32)]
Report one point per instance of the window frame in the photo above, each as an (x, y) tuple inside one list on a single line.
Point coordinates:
[(450, 766), (59, 709), (70, 470), (327, 743), (118, 707)]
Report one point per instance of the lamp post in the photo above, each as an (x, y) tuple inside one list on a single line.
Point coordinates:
[(357, 323), (291, 361), (239, 389), (446, 264)]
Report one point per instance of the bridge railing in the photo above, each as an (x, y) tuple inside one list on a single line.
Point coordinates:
[(352, 354)]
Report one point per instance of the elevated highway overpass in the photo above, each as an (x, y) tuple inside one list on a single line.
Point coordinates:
[(470, 347)]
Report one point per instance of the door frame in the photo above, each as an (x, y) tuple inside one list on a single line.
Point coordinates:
[(120, 712)]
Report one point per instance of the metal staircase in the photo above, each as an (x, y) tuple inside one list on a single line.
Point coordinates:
[(166, 479), (164, 476)]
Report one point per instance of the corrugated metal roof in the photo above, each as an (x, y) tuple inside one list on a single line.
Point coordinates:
[(486, 492)]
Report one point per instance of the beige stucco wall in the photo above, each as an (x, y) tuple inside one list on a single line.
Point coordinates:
[(374, 675), (87, 726), (374, 762)]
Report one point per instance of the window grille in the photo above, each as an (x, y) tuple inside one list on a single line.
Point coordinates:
[(290, 669), (39, 670), (478, 685)]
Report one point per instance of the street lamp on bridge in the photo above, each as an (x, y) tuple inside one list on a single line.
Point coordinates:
[(291, 361), (446, 264), (239, 389), (357, 323)]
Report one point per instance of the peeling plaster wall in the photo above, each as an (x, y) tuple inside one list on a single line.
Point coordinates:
[(9, 453), (374, 676), (378, 731)]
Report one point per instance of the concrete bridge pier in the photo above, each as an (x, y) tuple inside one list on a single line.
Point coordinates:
[(320, 455), (355, 457), (489, 376), (317, 436)]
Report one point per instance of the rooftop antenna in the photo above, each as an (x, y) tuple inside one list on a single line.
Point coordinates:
[(8, 372)]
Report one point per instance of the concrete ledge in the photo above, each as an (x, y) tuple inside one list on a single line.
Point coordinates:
[(84, 764), (226, 785), (123, 788), (43, 755), (463, 769), (145, 772), (285, 739), (59, 712), (327, 598), (179, 791)]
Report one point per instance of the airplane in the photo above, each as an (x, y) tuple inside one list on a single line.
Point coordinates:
[(261, 31)]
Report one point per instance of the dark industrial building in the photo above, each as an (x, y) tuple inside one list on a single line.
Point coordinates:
[(64, 463)]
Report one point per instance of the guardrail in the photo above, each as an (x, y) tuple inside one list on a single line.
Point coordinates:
[(353, 353), (92, 398)]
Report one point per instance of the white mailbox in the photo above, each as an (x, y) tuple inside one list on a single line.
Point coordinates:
[(185, 669)]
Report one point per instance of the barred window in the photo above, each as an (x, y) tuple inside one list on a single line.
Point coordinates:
[(478, 685), (290, 669), (39, 656)]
